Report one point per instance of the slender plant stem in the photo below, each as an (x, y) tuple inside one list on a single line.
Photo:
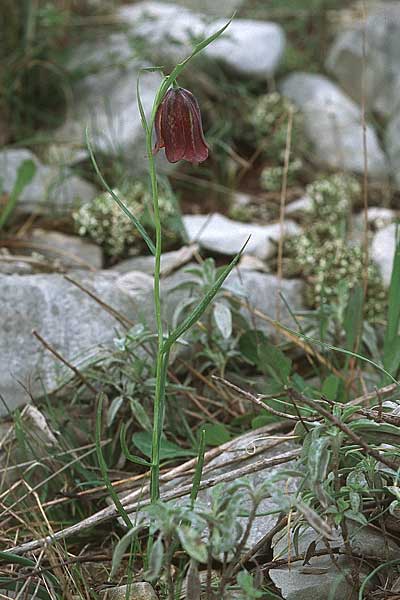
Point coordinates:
[(160, 370)]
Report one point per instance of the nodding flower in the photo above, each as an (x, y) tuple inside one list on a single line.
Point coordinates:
[(179, 129)]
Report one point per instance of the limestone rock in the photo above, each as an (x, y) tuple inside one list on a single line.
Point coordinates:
[(332, 121)]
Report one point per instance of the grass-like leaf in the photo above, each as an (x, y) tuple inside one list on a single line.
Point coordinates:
[(114, 196), (198, 311), (104, 468)]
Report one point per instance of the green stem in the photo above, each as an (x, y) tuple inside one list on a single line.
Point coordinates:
[(160, 369)]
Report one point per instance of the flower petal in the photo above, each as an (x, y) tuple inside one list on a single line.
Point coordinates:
[(157, 125), (174, 122)]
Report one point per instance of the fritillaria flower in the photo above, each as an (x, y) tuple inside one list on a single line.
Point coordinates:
[(179, 129)]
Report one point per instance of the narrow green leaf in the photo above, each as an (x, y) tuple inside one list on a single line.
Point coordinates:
[(124, 447), (199, 468), (122, 547), (195, 315), (104, 468), (25, 174), (353, 319), (168, 450), (114, 196), (337, 349), (392, 329)]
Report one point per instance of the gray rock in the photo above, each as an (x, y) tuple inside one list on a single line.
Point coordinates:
[(319, 578), (135, 591), (243, 451), (380, 67), (257, 291), (70, 250), (220, 234), (68, 319), (10, 266), (392, 147), (262, 293), (105, 102), (383, 250), (332, 121), (52, 189), (170, 261), (222, 8), (249, 48)]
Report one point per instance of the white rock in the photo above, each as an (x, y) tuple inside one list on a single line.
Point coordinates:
[(222, 8), (333, 123), (105, 103), (383, 250), (380, 67), (248, 47), (51, 190), (392, 147), (170, 261), (220, 234)]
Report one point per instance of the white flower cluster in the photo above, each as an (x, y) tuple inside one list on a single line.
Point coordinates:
[(105, 223)]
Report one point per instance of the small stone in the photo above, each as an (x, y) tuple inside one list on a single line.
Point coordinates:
[(70, 250), (135, 591), (220, 234), (52, 189), (300, 206), (252, 263), (327, 109), (383, 250), (170, 261)]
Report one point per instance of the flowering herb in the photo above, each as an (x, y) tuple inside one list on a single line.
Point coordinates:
[(179, 129)]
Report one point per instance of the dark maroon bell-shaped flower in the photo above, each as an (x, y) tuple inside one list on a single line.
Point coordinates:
[(179, 129)]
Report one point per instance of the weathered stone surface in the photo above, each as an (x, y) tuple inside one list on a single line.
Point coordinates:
[(257, 291), (78, 327), (383, 249), (51, 190), (392, 147), (105, 102), (376, 76), (332, 121), (220, 234), (250, 48), (67, 318), (170, 261), (70, 250), (222, 8), (319, 578), (135, 591), (244, 451)]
